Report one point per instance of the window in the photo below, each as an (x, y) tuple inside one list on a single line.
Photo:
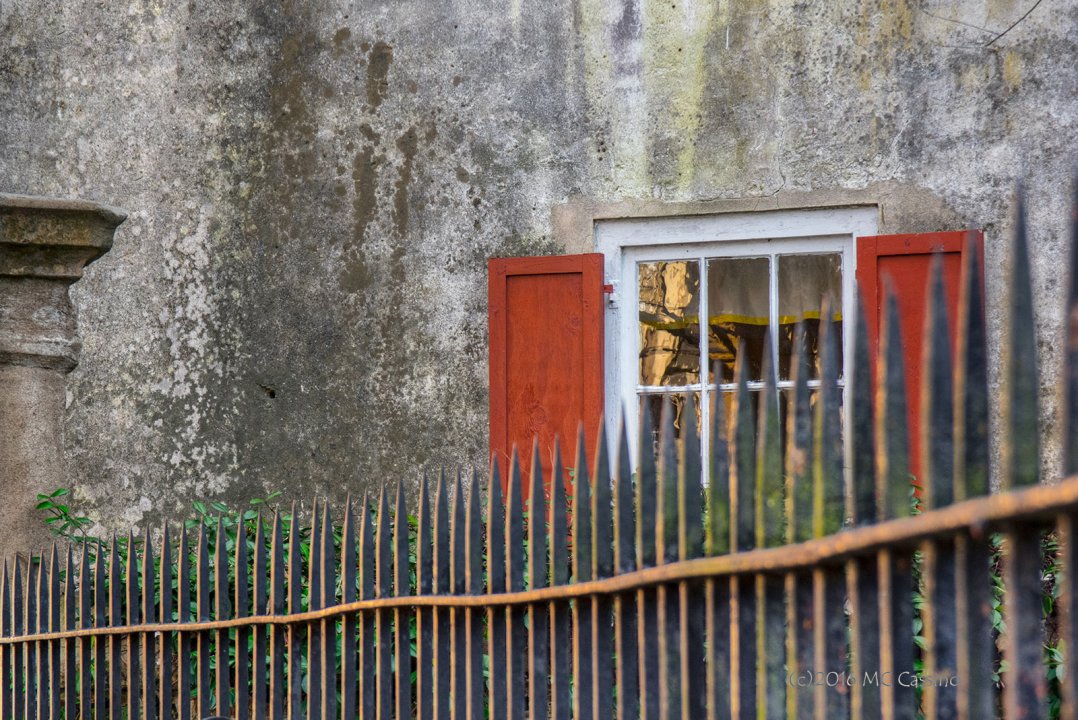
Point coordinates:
[(689, 292), (665, 299)]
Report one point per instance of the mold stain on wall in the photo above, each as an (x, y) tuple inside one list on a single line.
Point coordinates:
[(675, 37)]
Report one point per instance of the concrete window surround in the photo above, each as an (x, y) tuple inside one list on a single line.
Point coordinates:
[(900, 208)]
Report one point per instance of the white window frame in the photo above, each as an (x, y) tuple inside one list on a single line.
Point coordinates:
[(626, 242)]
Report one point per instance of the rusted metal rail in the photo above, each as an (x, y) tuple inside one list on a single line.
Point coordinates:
[(782, 585), (974, 517)]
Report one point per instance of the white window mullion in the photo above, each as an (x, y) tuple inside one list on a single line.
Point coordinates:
[(773, 317), (705, 369)]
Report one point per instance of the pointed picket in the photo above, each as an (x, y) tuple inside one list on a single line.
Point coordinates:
[(165, 660), (185, 641), (260, 576), (770, 511), (829, 582), (6, 675), (55, 662), (133, 606), (516, 633), (862, 572), (717, 590), (328, 629), (626, 680), (690, 499), (294, 692), (538, 577), (18, 627), (241, 640), (367, 672), (1021, 453), (424, 573), (558, 561), (458, 585), (743, 522), (70, 669), (85, 644), (31, 648), (293, 701), (1025, 682), (602, 556), (277, 605), (646, 604), (115, 641), (222, 610), (666, 551), (800, 641), (496, 638), (315, 676), (441, 584), (348, 622), (402, 617), (203, 583), (149, 642), (384, 588), (474, 576), (893, 500), (937, 467)]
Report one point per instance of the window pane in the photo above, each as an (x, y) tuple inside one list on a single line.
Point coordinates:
[(653, 405), (726, 403), (669, 322), (738, 313), (804, 281)]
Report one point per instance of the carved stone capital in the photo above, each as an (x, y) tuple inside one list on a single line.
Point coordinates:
[(45, 244)]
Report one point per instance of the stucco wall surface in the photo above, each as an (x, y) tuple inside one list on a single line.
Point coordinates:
[(298, 300)]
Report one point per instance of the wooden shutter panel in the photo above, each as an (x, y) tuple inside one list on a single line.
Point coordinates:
[(907, 261), (546, 355)]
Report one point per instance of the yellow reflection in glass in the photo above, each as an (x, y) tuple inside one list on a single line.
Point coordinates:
[(804, 282), (669, 322), (738, 311)]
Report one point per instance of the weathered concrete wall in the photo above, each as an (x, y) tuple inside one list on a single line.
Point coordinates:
[(298, 299)]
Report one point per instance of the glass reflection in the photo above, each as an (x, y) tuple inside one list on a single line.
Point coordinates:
[(738, 314), (804, 281), (653, 406), (669, 322)]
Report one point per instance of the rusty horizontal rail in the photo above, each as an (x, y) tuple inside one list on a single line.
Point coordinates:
[(976, 516)]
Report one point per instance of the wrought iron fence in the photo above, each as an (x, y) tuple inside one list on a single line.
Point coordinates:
[(769, 589)]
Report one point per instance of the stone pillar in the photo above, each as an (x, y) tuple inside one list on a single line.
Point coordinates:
[(44, 246)]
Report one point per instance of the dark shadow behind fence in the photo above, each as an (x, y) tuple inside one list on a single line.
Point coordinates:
[(778, 581)]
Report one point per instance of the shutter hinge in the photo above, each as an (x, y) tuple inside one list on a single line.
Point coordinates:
[(610, 290)]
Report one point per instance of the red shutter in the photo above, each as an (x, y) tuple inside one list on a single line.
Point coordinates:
[(907, 260), (546, 355)]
